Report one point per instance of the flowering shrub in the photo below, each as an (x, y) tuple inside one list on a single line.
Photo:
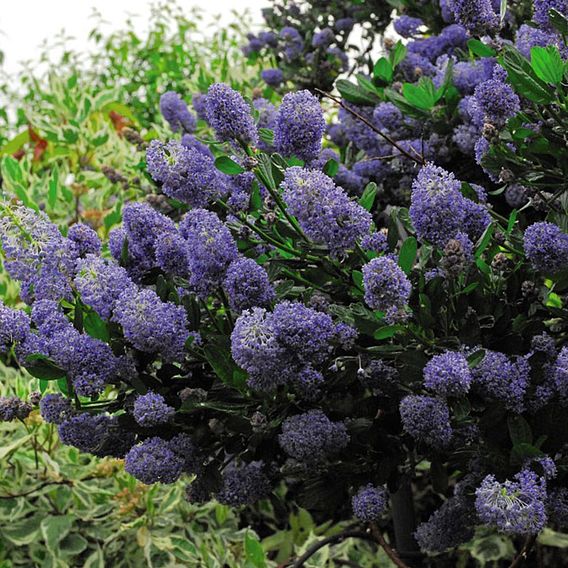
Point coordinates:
[(367, 328)]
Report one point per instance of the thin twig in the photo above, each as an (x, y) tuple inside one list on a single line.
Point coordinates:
[(523, 555), (348, 533), (386, 547), (420, 160), (41, 486)]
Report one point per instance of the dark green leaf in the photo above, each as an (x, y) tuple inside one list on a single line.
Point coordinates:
[(266, 135), (559, 21), (41, 367), (331, 168), (523, 78), (368, 198), (387, 331), (480, 49), (547, 64), (519, 430), (407, 254), (383, 70), (227, 166), (422, 95), (355, 94), (397, 54)]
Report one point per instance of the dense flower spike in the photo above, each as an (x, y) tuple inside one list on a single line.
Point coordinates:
[(12, 408), (449, 526), (426, 419), (275, 348), (55, 408), (14, 327), (244, 484), (247, 285), (386, 285), (513, 507), (272, 77), (324, 211), (186, 173), (546, 247), (299, 126), (312, 437), (176, 113), (85, 432), (493, 102), (230, 115), (154, 461), (100, 283), (369, 503), (151, 325), (448, 374), (212, 249), (36, 254), (407, 26), (478, 16), (437, 205), (499, 378), (150, 409), (86, 239)]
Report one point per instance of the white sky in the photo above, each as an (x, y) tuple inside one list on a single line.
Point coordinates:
[(24, 24)]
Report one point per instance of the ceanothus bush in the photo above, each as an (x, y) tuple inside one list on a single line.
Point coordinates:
[(363, 311)]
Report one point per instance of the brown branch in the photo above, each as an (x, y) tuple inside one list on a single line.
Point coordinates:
[(45, 484), (523, 555), (375, 531), (38, 488), (420, 160), (334, 539)]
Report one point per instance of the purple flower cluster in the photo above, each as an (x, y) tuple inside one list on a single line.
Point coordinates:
[(150, 409), (323, 38), (513, 507), (88, 362), (407, 26), (186, 173), (448, 374), (244, 484), (546, 247), (151, 325), (99, 435), (154, 461), (212, 249), (13, 408), (449, 526), (141, 226), (426, 419), (299, 126), (369, 503), (230, 115), (55, 408), (312, 437), (272, 77), (387, 287), (176, 113), (14, 327), (274, 348), (325, 212), (493, 102), (86, 239), (438, 209), (100, 283), (37, 254), (497, 377), (247, 285), (478, 16)]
